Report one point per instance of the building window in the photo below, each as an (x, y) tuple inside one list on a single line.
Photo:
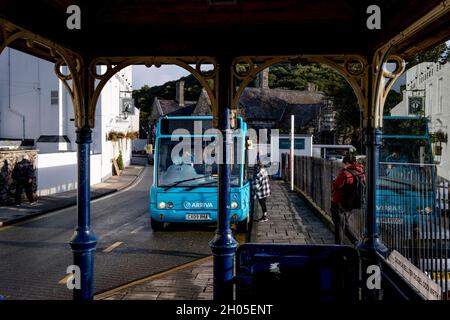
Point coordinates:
[(439, 95), (430, 102), (54, 97)]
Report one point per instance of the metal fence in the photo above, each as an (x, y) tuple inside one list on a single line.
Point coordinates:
[(314, 177), (412, 208)]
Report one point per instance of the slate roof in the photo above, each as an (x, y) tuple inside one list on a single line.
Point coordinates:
[(272, 105), (171, 107)]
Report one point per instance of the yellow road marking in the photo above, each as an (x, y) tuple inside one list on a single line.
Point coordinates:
[(111, 292), (240, 237), (66, 279), (112, 247)]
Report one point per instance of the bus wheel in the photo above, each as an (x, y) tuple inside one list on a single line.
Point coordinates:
[(156, 225), (244, 225)]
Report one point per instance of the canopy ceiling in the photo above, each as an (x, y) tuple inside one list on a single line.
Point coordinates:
[(243, 27)]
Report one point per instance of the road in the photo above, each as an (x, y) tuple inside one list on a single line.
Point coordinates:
[(34, 255)]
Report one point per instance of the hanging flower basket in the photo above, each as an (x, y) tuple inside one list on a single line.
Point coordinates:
[(439, 136), (132, 135), (113, 136)]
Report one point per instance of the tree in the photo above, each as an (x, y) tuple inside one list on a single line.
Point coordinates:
[(440, 53)]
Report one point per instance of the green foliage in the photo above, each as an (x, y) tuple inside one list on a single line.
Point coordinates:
[(144, 119), (440, 53), (120, 161)]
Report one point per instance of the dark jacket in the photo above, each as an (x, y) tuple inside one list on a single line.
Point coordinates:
[(23, 171)]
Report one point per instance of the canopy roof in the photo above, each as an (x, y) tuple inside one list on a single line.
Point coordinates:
[(201, 27)]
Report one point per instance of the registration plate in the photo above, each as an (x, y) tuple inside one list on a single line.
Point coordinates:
[(385, 220), (198, 216)]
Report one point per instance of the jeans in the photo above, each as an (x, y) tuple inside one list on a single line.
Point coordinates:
[(28, 186), (339, 217), (262, 203)]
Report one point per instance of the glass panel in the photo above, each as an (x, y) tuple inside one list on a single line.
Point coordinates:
[(183, 171)]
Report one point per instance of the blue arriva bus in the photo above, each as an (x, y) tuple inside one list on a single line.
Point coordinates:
[(185, 179), (407, 181)]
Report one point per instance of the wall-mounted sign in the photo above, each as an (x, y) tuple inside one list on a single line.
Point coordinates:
[(416, 105), (127, 105), (285, 143), (418, 279)]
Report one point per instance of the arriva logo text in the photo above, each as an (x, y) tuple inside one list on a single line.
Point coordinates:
[(198, 205)]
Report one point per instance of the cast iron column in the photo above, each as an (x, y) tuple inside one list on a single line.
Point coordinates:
[(371, 240), (223, 245), (371, 244), (84, 240)]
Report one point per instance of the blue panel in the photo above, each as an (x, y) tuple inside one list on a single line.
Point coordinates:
[(285, 143)]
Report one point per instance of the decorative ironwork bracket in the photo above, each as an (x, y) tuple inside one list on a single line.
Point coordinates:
[(208, 78), (382, 81)]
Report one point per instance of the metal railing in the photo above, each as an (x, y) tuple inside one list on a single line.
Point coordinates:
[(314, 177), (412, 208)]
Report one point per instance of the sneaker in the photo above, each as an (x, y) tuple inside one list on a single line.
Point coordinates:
[(263, 218), (34, 203)]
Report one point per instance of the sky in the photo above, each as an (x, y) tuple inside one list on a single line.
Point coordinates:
[(156, 76)]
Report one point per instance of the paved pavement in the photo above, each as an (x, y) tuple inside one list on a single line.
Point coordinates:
[(290, 221), (12, 214)]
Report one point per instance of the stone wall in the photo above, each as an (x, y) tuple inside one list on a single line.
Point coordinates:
[(8, 160)]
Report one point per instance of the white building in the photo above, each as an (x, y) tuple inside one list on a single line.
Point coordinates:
[(35, 106), (428, 93)]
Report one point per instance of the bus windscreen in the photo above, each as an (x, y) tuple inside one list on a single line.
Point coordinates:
[(188, 169)]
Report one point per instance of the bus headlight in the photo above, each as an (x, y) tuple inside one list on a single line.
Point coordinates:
[(162, 205), (234, 205), (169, 205)]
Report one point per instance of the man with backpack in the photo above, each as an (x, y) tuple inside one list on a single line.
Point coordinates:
[(346, 194)]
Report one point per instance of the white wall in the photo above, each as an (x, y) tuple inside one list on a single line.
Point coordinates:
[(108, 118), (57, 172), (25, 86)]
